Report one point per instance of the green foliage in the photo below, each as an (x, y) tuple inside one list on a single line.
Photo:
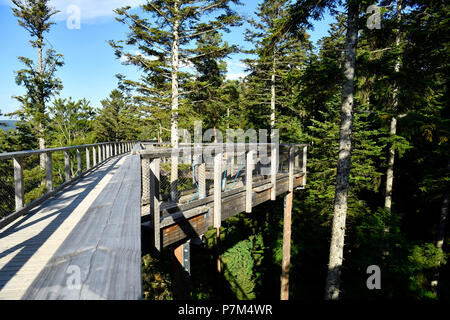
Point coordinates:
[(156, 285), (239, 262)]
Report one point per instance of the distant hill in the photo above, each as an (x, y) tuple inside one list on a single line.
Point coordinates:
[(7, 124)]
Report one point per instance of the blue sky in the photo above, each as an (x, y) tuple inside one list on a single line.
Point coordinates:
[(90, 63)]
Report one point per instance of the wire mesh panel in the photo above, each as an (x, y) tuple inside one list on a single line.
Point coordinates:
[(7, 194), (33, 178)]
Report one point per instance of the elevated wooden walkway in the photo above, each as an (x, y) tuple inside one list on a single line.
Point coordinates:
[(82, 243), (83, 240)]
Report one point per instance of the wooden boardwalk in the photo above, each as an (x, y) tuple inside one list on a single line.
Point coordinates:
[(83, 243)]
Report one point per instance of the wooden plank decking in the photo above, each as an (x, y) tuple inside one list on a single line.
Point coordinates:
[(84, 243)]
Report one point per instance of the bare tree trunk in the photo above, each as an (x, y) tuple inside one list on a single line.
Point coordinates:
[(272, 98), (175, 65), (393, 127), (40, 127), (344, 161), (175, 97)]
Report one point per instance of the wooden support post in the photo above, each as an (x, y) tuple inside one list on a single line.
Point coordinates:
[(154, 199), (48, 172), (88, 159), (67, 165), (18, 183), (249, 181), (180, 273), (287, 231), (79, 167), (273, 170)]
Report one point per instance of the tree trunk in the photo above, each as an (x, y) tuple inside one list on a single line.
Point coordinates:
[(175, 96), (175, 65), (272, 98), (40, 127), (344, 160), (393, 127)]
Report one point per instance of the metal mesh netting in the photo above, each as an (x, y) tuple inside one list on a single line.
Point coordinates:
[(7, 195), (34, 177)]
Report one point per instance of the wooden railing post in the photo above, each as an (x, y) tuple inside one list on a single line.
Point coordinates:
[(79, 167), (145, 178), (154, 199), (305, 152), (291, 169), (202, 180), (48, 172), (249, 180), (67, 165), (273, 170), (218, 158), (18, 183), (88, 159), (174, 177), (94, 157)]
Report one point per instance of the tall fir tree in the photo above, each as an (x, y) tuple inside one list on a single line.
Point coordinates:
[(39, 81)]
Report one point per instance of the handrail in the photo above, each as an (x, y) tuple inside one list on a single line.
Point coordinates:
[(100, 152), (25, 153)]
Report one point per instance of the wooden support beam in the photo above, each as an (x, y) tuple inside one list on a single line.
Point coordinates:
[(18, 183), (67, 165), (48, 172), (154, 199), (287, 221)]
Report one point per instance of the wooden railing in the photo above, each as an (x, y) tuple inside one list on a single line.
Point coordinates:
[(219, 163), (95, 155)]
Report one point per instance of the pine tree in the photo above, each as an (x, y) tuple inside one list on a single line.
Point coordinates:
[(39, 81), (163, 44), (277, 61)]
